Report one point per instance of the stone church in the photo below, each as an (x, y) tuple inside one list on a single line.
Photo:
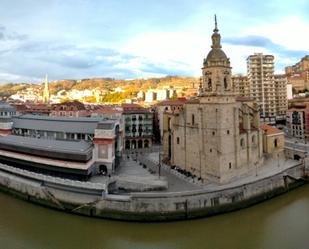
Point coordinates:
[(216, 136)]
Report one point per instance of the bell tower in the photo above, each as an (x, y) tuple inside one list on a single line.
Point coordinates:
[(219, 114), (216, 70)]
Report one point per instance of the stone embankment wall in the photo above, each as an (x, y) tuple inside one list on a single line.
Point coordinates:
[(92, 199)]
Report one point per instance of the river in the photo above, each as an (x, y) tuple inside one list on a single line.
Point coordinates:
[(281, 223)]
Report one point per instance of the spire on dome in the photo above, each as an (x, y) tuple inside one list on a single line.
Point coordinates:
[(216, 38), (216, 24)]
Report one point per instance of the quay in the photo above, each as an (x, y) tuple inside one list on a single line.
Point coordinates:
[(98, 198)]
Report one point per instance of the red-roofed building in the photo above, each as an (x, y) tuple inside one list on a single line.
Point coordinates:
[(108, 112), (69, 109), (273, 140)]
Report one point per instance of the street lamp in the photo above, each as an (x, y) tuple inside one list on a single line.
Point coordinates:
[(278, 160), (159, 165)]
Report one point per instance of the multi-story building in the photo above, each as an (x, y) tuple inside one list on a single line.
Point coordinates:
[(298, 74), (241, 85), (162, 94), (297, 121), (107, 112), (68, 147), (281, 96), (69, 109), (138, 127), (150, 96), (7, 111), (260, 69)]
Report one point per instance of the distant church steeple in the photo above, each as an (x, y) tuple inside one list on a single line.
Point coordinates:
[(46, 91)]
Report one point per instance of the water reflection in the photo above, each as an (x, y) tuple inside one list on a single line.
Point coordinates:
[(280, 223)]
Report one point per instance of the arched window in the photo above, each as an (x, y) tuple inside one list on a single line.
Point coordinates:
[(242, 143), (225, 83), (276, 143), (209, 83), (253, 139)]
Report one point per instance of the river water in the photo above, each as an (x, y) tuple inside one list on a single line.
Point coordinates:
[(281, 223)]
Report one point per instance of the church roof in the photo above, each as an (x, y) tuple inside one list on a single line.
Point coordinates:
[(216, 54), (269, 130)]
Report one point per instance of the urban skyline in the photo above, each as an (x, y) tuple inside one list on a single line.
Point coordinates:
[(133, 40)]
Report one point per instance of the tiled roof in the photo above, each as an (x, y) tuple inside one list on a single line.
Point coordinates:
[(106, 110), (269, 130), (133, 108), (172, 102)]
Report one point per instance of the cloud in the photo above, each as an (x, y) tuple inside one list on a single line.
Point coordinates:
[(32, 59), (128, 39), (5, 35), (264, 42)]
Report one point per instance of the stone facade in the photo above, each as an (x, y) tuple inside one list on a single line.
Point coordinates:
[(273, 141), (217, 136)]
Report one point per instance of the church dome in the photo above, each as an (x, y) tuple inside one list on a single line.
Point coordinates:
[(216, 54)]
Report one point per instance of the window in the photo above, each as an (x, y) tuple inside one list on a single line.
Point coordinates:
[(192, 119), (253, 139), (169, 124), (225, 83), (242, 143), (103, 151), (213, 133), (230, 165), (178, 140), (228, 132), (209, 83)]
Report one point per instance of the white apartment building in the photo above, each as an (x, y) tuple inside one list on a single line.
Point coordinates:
[(281, 96), (260, 69)]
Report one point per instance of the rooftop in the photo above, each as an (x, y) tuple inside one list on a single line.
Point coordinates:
[(56, 124), (7, 107), (269, 130), (68, 150), (172, 102), (133, 108)]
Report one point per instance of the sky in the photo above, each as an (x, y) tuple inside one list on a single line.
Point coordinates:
[(126, 39)]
